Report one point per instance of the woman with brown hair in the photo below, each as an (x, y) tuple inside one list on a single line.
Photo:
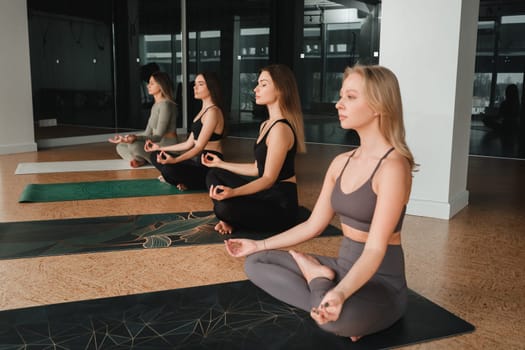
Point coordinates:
[(267, 200)]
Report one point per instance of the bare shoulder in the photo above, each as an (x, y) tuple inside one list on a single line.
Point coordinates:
[(215, 110), (396, 162), (281, 132), (281, 128), (338, 163), (343, 157), (395, 170), (212, 115)]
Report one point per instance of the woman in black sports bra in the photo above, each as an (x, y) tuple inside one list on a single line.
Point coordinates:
[(267, 200), (185, 169), (363, 290)]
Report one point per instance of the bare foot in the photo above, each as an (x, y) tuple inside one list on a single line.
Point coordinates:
[(134, 163), (311, 268), (181, 187), (354, 339), (223, 228), (161, 178)]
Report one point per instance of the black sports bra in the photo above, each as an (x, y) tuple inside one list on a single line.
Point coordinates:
[(196, 128), (356, 209), (260, 150)]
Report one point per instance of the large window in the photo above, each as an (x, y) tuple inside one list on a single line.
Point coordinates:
[(252, 56), (334, 36), (497, 129), (90, 62), (231, 39)]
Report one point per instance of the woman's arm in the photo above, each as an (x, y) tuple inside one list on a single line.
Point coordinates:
[(209, 120), (181, 146), (321, 216), (159, 122), (245, 169)]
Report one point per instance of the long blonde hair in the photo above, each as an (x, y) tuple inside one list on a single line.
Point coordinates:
[(384, 97), (289, 101)]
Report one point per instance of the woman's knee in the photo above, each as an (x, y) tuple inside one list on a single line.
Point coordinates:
[(153, 159), (211, 177), (251, 264), (137, 150), (362, 319), (123, 151), (218, 176), (338, 328)]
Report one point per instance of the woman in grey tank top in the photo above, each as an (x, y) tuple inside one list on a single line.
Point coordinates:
[(362, 290)]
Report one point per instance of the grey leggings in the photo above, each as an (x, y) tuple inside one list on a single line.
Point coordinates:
[(374, 307)]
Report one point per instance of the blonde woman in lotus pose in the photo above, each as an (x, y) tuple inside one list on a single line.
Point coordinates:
[(363, 290)]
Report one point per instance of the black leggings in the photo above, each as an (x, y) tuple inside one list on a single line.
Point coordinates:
[(274, 209), (191, 173), (374, 307)]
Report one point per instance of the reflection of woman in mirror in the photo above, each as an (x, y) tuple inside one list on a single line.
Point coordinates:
[(161, 125), (508, 115), (186, 170)]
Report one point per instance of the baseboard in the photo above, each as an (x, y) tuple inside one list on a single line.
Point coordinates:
[(79, 140), (438, 210), (75, 140), (18, 148)]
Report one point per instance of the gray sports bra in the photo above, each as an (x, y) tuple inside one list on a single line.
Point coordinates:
[(356, 209)]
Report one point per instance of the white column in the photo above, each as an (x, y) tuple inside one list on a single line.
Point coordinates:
[(430, 45), (16, 106)]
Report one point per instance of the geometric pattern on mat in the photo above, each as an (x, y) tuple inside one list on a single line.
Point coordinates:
[(235, 315), (87, 235)]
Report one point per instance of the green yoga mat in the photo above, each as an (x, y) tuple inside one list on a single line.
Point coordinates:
[(74, 191), (88, 235), (235, 315)]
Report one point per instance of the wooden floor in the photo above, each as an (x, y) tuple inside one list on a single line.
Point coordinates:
[(472, 265)]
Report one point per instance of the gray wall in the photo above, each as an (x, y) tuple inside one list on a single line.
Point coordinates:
[(16, 111)]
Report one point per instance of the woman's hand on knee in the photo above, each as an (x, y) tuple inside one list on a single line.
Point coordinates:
[(241, 247), (165, 158), (150, 146), (116, 139), (130, 138), (220, 192), (210, 160), (329, 309)]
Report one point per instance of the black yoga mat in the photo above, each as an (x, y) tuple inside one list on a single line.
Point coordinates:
[(74, 191), (59, 237), (235, 315)]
